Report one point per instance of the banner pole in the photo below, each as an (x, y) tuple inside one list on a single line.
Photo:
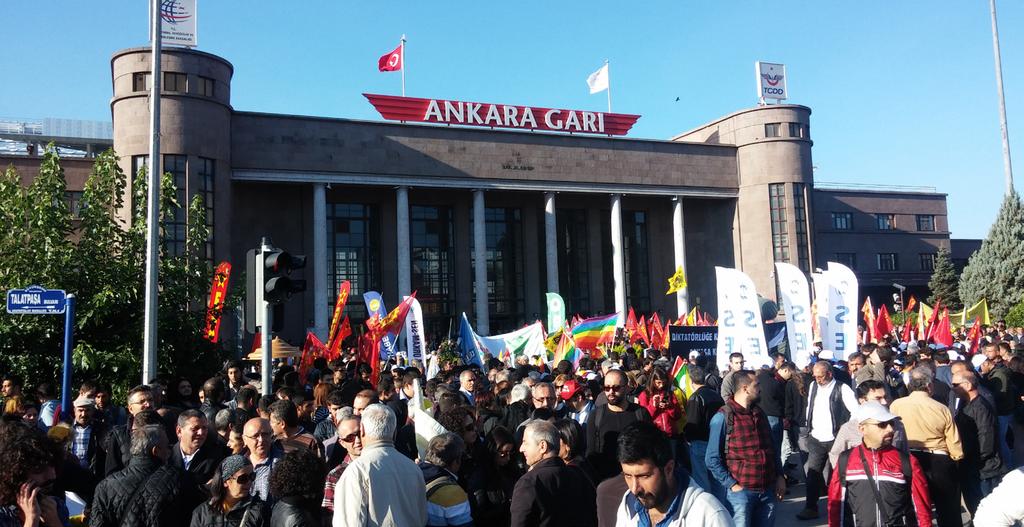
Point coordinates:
[(69, 339), (609, 90), (403, 65)]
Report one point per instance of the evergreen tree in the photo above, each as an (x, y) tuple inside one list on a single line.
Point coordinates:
[(996, 271), (944, 283)]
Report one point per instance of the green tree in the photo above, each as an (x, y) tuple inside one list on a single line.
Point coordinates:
[(944, 283), (996, 271), (102, 261)]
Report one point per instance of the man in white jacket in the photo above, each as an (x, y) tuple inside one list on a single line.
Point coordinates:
[(659, 492), (1003, 507)]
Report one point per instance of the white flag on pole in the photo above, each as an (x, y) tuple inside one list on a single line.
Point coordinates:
[(740, 328), (797, 302), (598, 81)]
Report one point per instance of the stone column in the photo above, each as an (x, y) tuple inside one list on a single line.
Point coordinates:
[(618, 261), (402, 241), (480, 265), (550, 242), (679, 252), (320, 259)]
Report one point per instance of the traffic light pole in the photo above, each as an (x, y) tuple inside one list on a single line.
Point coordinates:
[(267, 330)]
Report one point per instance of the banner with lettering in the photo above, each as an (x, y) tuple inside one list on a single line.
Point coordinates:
[(684, 339), (339, 307), (740, 328), (415, 339), (842, 311), (820, 306), (215, 306), (796, 301)]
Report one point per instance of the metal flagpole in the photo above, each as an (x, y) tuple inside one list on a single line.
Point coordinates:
[(1007, 166), (608, 73), (403, 65), (149, 336)]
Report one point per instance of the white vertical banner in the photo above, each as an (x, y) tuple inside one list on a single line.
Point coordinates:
[(796, 300), (842, 311), (740, 328), (821, 303), (414, 337), (178, 23)]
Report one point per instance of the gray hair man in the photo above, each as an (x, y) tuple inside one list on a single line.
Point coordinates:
[(114, 498), (382, 485), (542, 495), (446, 499)]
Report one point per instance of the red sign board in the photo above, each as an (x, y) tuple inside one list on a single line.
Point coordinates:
[(492, 115)]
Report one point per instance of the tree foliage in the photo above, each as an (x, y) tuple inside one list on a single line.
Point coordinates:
[(996, 271), (101, 261), (944, 283)]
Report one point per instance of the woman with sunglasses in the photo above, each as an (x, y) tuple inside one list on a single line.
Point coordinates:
[(230, 504)]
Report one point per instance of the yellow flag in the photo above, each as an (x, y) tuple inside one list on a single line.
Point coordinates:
[(676, 282), (691, 317), (979, 310)]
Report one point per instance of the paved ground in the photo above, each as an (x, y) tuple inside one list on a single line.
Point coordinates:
[(785, 514)]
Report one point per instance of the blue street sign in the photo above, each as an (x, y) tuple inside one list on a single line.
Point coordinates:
[(36, 300)]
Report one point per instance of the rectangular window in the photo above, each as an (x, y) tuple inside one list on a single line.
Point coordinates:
[(772, 129), (505, 284), (800, 210), (175, 220), (842, 221), (926, 222), (888, 262), (432, 233), (847, 259), (573, 259), (206, 86), (354, 253), (780, 234), (177, 82), (206, 176), (885, 222), (796, 130), (636, 260), (75, 205), (927, 261), (141, 81)]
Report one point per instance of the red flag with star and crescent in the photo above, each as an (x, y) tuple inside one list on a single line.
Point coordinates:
[(391, 61)]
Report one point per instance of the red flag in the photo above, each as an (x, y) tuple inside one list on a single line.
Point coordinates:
[(910, 304), (311, 349), (932, 320), (883, 324), (906, 328), (942, 334), (656, 330), (334, 350), (974, 335), (642, 329), (257, 341), (869, 321), (339, 306), (391, 61), (394, 321), (215, 306), (664, 337), (631, 326)]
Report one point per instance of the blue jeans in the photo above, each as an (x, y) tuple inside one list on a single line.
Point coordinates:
[(752, 509), (775, 427), (1004, 445), (699, 472)]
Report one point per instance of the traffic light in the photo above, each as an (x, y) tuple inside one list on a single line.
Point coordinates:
[(268, 279)]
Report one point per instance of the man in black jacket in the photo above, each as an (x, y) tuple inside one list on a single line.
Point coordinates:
[(140, 398), (551, 494), (982, 465), (117, 497), (701, 406), (608, 420), (773, 400), (195, 453)]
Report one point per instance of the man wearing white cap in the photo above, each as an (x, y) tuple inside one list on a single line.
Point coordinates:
[(875, 484), (86, 435)]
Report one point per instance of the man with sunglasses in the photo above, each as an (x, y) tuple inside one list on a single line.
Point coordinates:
[(875, 484), (348, 438), (607, 421)]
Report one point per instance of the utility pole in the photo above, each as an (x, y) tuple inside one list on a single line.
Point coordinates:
[(149, 335), (1007, 165)]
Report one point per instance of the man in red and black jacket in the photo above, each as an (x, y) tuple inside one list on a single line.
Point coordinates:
[(874, 484)]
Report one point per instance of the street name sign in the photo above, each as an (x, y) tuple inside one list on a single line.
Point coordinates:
[(36, 300)]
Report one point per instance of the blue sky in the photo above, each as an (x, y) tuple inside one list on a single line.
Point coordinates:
[(901, 92)]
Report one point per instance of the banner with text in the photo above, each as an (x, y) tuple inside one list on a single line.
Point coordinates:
[(841, 338), (796, 301), (177, 23), (415, 339), (684, 339), (740, 328)]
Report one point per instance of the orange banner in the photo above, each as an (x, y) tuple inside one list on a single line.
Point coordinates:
[(215, 306), (339, 306)]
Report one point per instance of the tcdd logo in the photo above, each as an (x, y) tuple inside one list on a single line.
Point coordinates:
[(173, 12), (772, 80)]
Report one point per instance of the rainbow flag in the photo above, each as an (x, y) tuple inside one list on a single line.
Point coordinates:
[(592, 332), (566, 349)]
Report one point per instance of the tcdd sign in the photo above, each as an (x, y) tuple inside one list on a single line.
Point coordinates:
[(36, 300)]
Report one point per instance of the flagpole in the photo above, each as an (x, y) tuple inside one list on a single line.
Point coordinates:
[(609, 90), (403, 65)]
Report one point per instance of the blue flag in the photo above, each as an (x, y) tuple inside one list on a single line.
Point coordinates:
[(468, 346), (375, 306)]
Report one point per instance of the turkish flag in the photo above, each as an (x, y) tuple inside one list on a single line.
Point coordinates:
[(391, 61)]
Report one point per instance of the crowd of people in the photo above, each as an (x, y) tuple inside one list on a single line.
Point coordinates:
[(894, 434)]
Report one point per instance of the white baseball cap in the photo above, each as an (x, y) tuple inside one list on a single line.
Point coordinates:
[(873, 411)]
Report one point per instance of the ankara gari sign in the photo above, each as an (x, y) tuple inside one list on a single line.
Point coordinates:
[(500, 115)]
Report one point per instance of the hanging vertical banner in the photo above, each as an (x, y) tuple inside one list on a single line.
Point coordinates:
[(178, 23), (740, 328), (820, 307), (375, 306), (215, 306), (796, 301), (556, 312), (339, 307), (842, 308), (414, 335)]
